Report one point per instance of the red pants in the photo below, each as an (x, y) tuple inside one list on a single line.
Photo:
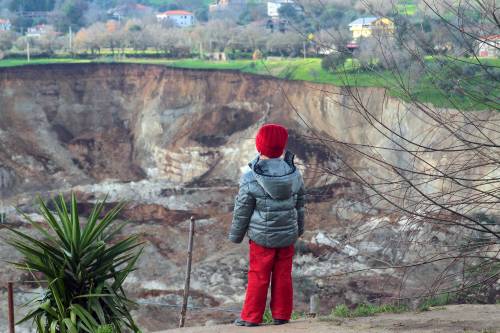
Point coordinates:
[(263, 262)]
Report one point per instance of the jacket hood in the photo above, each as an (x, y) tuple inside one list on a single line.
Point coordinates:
[(278, 177)]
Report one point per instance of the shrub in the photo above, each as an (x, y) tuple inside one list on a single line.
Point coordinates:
[(332, 61), (439, 300), (83, 272), (365, 310), (341, 310)]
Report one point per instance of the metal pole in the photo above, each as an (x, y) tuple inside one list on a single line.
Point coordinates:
[(10, 288), (28, 49), (188, 273)]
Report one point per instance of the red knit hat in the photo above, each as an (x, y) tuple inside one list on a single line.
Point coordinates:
[(271, 140)]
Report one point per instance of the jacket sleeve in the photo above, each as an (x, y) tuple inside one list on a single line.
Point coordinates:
[(244, 205), (300, 208)]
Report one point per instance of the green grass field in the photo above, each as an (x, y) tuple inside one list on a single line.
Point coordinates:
[(310, 70), (406, 7), (291, 69), (22, 62)]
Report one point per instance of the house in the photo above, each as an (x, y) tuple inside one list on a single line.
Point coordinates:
[(216, 56), (489, 46), (366, 26), (5, 25), (39, 30), (179, 18), (129, 10)]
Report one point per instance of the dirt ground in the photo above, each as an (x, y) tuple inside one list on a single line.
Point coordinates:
[(452, 318)]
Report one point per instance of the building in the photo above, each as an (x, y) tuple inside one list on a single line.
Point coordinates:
[(5, 25), (489, 46), (179, 18), (39, 30), (366, 26)]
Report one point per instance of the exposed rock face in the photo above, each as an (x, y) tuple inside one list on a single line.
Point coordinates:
[(173, 142)]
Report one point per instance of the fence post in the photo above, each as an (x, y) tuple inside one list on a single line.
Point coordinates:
[(10, 291), (188, 273), (314, 305)]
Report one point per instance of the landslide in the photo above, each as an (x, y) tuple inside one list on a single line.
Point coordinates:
[(173, 143)]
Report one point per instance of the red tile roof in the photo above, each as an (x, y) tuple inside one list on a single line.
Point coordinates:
[(491, 37), (3, 21), (176, 12)]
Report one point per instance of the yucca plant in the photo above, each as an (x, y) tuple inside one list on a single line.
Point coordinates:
[(83, 270)]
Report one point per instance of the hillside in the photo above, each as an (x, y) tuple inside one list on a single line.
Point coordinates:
[(173, 142)]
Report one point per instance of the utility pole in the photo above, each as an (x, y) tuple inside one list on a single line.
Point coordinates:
[(70, 40), (28, 49), (304, 44)]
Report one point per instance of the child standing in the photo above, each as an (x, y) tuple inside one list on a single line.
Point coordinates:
[(269, 208)]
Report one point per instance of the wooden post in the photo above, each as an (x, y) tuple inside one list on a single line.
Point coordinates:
[(314, 305), (188, 273), (10, 288)]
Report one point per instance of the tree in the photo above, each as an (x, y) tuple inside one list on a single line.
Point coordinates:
[(214, 35), (284, 44), (431, 169), (31, 5), (201, 14), (115, 36), (333, 61), (381, 7), (173, 42), (7, 39), (251, 37), (92, 38), (48, 43), (71, 12), (288, 11)]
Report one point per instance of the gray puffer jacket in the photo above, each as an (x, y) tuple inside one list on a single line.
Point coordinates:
[(270, 203)]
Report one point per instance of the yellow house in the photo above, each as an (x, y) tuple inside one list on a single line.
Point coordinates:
[(366, 26)]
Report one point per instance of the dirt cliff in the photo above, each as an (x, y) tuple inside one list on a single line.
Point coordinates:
[(173, 143)]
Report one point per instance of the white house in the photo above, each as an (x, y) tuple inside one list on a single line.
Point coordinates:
[(39, 30), (5, 25), (489, 46), (180, 18)]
